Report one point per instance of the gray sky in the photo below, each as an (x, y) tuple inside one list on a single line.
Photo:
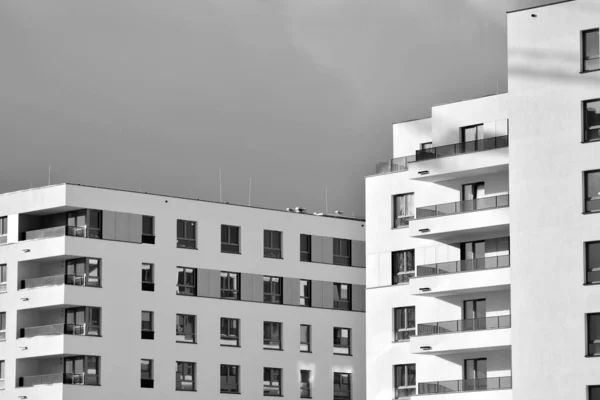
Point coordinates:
[(299, 95)]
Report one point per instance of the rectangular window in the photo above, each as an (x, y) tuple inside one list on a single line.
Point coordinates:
[(305, 247), (305, 338), (81, 370), (341, 341), (148, 325), (3, 229), (305, 292), (230, 239), (342, 389), (186, 376), (470, 138), (2, 372), (147, 229), (186, 281), (272, 244), (186, 328), (83, 272), (403, 266), (304, 384), (342, 296), (590, 49), (593, 393), (272, 335), (230, 285), (148, 277), (342, 252), (2, 326), (591, 120), (230, 332), (230, 378), (403, 209), (272, 382), (272, 289), (82, 321), (593, 334), (592, 262), (404, 323), (592, 191), (186, 234), (147, 373), (3, 285), (405, 380)]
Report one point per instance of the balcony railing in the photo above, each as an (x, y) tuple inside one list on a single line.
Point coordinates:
[(63, 230), (466, 385), (463, 148), (55, 329), (35, 380), (394, 165), (458, 207), (451, 267), (56, 231), (55, 280), (464, 325)]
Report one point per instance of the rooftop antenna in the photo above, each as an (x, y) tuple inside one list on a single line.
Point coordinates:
[(326, 202), (250, 193), (49, 173), (220, 187)]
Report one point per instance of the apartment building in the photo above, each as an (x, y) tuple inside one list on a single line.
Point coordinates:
[(114, 294), (481, 279)]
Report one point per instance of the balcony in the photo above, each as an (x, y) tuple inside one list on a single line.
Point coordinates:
[(398, 164), (53, 379), (469, 218), (465, 385), (462, 336), (455, 149), (54, 329)]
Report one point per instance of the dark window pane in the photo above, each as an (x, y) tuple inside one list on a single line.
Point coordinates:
[(591, 50)]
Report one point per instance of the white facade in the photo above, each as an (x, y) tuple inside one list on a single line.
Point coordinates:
[(535, 331), (121, 298)]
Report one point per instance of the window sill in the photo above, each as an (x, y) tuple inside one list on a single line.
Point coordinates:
[(401, 341), (399, 227), (236, 253), (266, 348), (588, 71), (187, 248), (306, 351), (274, 258), (272, 395), (590, 141), (231, 345), (231, 393), (185, 390), (344, 355), (592, 356), (178, 341), (591, 284)]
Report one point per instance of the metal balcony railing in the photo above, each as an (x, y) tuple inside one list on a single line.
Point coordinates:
[(463, 148), (54, 329), (35, 380), (466, 385), (452, 267), (464, 325), (43, 281), (398, 164), (458, 207)]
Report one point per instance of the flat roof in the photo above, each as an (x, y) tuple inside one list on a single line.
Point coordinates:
[(540, 6), (333, 216)]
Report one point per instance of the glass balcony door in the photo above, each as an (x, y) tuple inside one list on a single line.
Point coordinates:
[(470, 137), (82, 321), (470, 193), (82, 370), (474, 313), (475, 374), (84, 223), (473, 251)]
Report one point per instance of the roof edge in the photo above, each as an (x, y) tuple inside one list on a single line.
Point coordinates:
[(540, 6)]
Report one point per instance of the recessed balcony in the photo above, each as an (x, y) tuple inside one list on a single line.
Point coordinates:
[(467, 218), (73, 370), (465, 386), (462, 277), (459, 336)]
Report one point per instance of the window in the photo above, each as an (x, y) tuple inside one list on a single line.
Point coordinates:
[(147, 373), (403, 209), (148, 325), (475, 374), (3, 229), (230, 285), (304, 384), (305, 291), (593, 334), (2, 367), (272, 335), (3, 284), (341, 341), (426, 146), (83, 272), (147, 277), (404, 323), (230, 378), (81, 370), (591, 120), (230, 332), (85, 223), (590, 49), (592, 191), (147, 229), (273, 289), (186, 234), (470, 138), (186, 281), (272, 382), (272, 244), (593, 393), (2, 326), (341, 386), (305, 247), (230, 239), (186, 376), (305, 338), (405, 380), (186, 328), (82, 321), (592, 262), (342, 251), (342, 296), (403, 266)]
